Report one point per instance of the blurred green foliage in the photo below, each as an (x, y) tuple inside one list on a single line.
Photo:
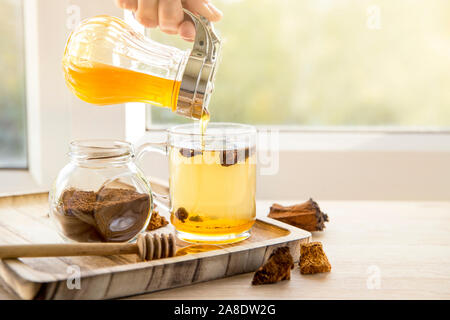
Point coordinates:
[(12, 86), (321, 62), (306, 62)]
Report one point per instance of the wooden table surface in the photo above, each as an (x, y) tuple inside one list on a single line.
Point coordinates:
[(378, 250)]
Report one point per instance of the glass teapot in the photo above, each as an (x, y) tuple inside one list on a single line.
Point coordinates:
[(107, 62)]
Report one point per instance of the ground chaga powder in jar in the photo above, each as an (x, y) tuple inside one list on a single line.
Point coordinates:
[(108, 215)]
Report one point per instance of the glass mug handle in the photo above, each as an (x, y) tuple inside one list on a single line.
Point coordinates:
[(158, 147)]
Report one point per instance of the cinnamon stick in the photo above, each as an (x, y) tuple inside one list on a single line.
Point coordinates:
[(307, 215)]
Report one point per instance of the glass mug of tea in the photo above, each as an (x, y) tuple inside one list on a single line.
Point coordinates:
[(212, 181)]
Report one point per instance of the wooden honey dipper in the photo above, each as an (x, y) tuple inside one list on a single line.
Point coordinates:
[(147, 247)]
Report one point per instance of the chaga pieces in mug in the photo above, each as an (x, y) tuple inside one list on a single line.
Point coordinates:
[(307, 215), (109, 215), (189, 153), (277, 268), (196, 218), (181, 214), (233, 156), (313, 259), (227, 157)]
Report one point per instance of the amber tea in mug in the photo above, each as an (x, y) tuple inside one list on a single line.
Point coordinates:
[(212, 184), (212, 178)]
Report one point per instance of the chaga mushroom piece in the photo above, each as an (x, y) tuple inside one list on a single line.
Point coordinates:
[(233, 156), (313, 259), (181, 214), (189, 153), (307, 215), (277, 268), (196, 218), (156, 221)]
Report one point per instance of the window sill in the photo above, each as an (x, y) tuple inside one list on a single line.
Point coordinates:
[(343, 164), (331, 139), (18, 182)]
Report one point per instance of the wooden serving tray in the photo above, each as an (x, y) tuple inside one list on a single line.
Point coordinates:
[(24, 219)]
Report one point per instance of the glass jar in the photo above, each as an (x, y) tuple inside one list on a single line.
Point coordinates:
[(101, 195), (106, 62)]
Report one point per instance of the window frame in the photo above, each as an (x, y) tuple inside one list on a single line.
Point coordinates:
[(55, 117)]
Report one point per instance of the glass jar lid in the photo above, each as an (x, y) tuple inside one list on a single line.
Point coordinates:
[(101, 150)]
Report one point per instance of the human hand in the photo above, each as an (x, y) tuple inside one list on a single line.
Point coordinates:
[(169, 14)]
